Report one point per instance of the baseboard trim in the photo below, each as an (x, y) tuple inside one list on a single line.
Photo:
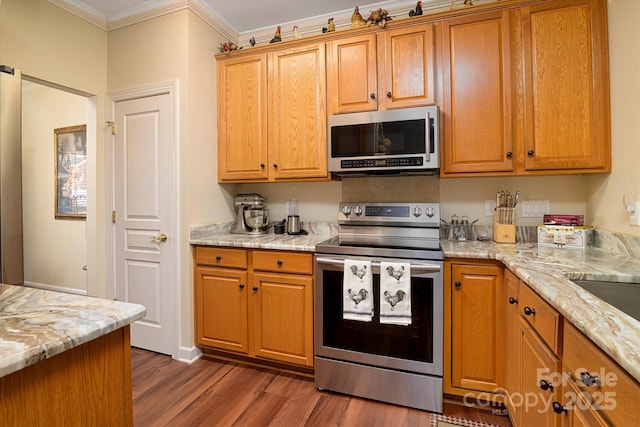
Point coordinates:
[(46, 287), (189, 354)]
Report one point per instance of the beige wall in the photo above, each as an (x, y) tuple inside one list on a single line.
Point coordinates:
[(51, 45), (605, 207), (56, 248)]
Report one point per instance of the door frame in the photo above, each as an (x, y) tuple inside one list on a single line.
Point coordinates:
[(170, 88)]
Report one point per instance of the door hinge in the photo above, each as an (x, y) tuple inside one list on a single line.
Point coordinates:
[(114, 128), (114, 216)]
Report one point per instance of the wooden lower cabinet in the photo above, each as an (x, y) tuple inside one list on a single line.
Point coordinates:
[(511, 345), (538, 388), (474, 352), (263, 311)]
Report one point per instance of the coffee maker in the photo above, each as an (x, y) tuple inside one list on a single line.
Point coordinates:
[(253, 217)]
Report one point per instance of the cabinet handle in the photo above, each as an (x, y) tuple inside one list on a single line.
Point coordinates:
[(530, 153), (529, 311), (389, 94), (512, 300), (261, 165), (458, 285), (588, 380), (275, 165), (372, 96), (544, 385), (558, 408), (218, 258), (280, 263), (241, 285), (255, 289), (509, 154)]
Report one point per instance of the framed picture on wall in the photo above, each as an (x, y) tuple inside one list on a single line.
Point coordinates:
[(70, 172)]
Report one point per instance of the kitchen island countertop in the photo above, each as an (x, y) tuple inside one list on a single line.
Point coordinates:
[(39, 324), (549, 272)]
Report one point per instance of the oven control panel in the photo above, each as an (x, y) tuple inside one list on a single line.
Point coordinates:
[(411, 214)]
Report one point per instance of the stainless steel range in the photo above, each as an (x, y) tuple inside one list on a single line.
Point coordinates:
[(366, 354)]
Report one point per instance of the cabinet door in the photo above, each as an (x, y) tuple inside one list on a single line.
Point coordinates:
[(282, 309), (406, 67), (567, 92), (221, 309), (351, 74), (579, 411), (242, 118), (476, 311), (297, 113), (538, 364), (512, 346), (477, 94)]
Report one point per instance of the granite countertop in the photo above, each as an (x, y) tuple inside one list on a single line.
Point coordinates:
[(38, 324), (220, 235), (549, 272)]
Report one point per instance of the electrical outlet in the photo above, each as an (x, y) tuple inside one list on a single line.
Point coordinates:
[(489, 207), (635, 216)]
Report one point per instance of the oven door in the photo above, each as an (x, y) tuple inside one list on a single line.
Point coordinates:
[(415, 348)]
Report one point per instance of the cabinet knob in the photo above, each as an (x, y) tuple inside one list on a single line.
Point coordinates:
[(529, 311), (372, 96), (512, 300), (544, 385), (255, 289), (458, 285), (262, 165), (241, 285), (389, 95), (280, 263), (588, 380), (530, 153), (509, 154), (218, 257), (275, 165), (558, 408)]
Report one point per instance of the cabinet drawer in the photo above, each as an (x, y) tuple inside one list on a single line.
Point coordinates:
[(617, 394), (285, 262), (544, 319), (221, 257)]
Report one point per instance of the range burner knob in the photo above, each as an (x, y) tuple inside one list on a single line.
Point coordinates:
[(416, 211), (346, 210), (357, 210), (430, 212)]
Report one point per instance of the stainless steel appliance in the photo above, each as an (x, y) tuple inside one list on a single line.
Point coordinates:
[(391, 363), (253, 217), (384, 141), (11, 261)]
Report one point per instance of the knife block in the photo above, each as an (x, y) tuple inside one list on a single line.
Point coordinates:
[(503, 233)]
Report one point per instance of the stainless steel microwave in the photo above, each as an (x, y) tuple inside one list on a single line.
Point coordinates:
[(384, 141)]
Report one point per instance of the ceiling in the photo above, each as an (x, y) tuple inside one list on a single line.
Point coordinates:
[(242, 16)]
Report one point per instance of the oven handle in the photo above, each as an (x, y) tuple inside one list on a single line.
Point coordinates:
[(417, 268)]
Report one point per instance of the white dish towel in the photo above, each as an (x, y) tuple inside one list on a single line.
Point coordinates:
[(357, 291), (395, 293)]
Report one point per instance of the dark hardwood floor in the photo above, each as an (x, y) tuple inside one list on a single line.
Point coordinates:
[(218, 393)]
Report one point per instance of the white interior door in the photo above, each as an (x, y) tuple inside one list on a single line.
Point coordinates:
[(143, 177)]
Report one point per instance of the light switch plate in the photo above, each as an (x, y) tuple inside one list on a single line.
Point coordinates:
[(535, 208)]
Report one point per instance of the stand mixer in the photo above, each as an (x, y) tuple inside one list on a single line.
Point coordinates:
[(252, 217)]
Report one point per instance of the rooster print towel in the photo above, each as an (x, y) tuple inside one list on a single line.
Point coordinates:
[(395, 293), (357, 291)]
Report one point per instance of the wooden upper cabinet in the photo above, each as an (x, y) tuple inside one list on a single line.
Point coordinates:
[(567, 113), (389, 69), (297, 118), (352, 83), (242, 118), (406, 67), (477, 101)]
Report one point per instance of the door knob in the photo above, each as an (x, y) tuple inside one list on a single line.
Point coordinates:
[(161, 238)]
